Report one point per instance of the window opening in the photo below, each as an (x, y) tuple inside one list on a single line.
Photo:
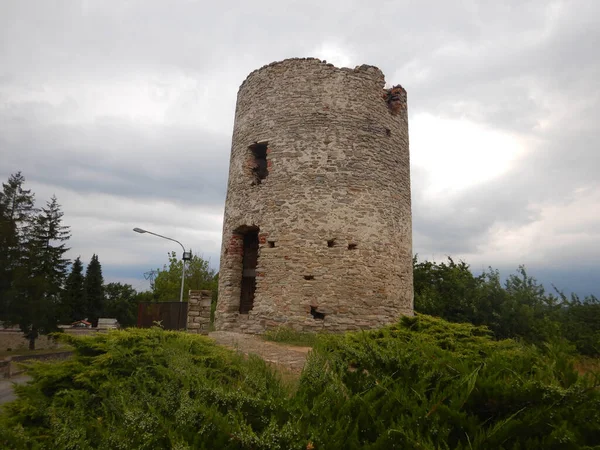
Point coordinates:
[(309, 277), (352, 246), (316, 314), (260, 169), (330, 242)]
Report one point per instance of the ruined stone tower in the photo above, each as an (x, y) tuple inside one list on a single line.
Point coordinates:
[(317, 227)]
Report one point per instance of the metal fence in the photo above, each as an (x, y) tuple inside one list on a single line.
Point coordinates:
[(171, 315)]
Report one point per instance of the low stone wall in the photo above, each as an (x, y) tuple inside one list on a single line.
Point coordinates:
[(198, 319), (11, 366), (14, 340)]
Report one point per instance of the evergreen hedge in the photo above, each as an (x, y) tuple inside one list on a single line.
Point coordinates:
[(421, 383)]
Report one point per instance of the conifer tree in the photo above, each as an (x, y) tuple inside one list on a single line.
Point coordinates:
[(73, 306), (48, 246), (39, 282), (94, 290), (17, 213)]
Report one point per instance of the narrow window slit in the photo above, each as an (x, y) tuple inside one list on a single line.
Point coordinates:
[(309, 277), (331, 243)]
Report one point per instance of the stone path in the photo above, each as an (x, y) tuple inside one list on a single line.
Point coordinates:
[(287, 356), (6, 388)]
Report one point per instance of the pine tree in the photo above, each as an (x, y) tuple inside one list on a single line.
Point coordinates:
[(17, 213), (48, 244), (94, 290), (39, 283), (73, 306)]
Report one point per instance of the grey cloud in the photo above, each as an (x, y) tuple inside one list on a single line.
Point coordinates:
[(511, 66), (180, 165)]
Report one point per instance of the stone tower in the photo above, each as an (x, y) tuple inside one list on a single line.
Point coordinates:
[(317, 228)]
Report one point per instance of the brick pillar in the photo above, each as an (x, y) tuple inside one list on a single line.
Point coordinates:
[(198, 319)]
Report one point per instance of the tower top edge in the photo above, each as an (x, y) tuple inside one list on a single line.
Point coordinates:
[(309, 60)]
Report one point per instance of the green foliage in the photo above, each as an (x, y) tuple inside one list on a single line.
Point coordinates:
[(121, 303), (94, 290), (425, 383), (150, 389), (47, 248), (37, 267), (518, 309), (449, 290), (422, 383), (73, 305), (166, 287), (17, 214), (286, 335), (580, 320)]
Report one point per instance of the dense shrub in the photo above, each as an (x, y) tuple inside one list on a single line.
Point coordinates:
[(519, 308), (426, 383), (422, 383), (149, 389)]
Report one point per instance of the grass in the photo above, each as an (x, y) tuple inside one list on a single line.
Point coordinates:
[(285, 335)]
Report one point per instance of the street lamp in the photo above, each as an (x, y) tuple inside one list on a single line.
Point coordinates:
[(186, 255)]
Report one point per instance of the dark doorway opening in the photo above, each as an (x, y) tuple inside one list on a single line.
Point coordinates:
[(260, 169), (249, 263)]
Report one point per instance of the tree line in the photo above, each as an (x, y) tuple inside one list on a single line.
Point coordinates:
[(38, 291), (518, 308)]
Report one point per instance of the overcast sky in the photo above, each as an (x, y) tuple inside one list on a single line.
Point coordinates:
[(124, 110)]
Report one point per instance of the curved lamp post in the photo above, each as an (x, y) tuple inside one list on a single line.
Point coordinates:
[(186, 255)]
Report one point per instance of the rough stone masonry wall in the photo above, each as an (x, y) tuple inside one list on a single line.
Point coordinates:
[(334, 212), (198, 318)]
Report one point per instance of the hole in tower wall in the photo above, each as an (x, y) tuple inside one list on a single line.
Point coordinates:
[(352, 246), (309, 277), (395, 98), (249, 263), (331, 243), (316, 314), (259, 166), (271, 244)]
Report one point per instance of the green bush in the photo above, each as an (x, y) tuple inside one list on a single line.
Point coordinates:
[(149, 389), (519, 308), (426, 383), (422, 383)]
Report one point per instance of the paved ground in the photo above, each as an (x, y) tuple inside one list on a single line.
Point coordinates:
[(6, 388), (287, 356)]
